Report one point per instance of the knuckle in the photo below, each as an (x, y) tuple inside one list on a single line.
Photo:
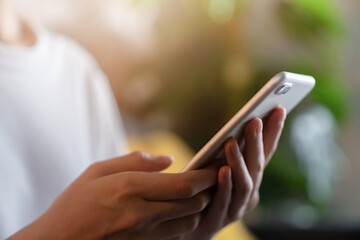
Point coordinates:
[(261, 165), (200, 203), (256, 199), (94, 169), (193, 222), (134, 221), (125, 187), (185, 187), (188, 189), (240, 214), (247, 186)]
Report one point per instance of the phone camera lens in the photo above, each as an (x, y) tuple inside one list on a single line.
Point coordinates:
[(283, 89)]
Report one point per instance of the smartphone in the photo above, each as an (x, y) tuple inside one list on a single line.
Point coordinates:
[(285, 89)]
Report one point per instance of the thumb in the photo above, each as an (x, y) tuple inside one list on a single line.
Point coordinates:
[(141, 161), (136, 161)]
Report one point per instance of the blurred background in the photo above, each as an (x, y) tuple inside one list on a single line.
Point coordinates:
[(181, 68)]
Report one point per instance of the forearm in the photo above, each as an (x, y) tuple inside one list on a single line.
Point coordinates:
[(35, 230)]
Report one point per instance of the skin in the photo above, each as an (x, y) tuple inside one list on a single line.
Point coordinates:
[(239, 180), (13, 31), (128, 198)]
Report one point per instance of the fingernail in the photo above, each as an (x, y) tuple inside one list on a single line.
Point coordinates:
[(259, 128), (235, 151)]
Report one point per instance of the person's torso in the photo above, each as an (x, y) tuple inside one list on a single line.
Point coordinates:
[(53, 111)]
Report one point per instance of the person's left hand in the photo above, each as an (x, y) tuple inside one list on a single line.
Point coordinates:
[(238, 183)]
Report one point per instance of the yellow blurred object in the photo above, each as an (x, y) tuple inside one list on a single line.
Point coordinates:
[(168, 143)]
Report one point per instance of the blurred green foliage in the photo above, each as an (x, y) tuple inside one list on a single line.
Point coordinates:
[(309, 19), (210, 66), (317, 27)]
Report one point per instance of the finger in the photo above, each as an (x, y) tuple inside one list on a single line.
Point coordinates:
[(141, 213), (165, 230), (136, 161), (254, 151), (242, 182), (168, 186), (272, 132), (175, 228), (161, 211), (266, 119), (218, 210), (253, 201)]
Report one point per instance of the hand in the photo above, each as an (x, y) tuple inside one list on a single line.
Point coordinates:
[(238, 183), (118, 199)]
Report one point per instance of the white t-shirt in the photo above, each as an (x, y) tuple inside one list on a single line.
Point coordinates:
[(57, 116)]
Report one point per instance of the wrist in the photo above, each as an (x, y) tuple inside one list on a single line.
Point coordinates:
[(50, 227), (31, 232)]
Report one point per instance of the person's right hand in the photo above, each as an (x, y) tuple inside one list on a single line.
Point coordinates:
[(126, 198)]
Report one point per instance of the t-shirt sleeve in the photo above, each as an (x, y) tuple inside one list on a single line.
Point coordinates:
[(111, 137), (105, 132)]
